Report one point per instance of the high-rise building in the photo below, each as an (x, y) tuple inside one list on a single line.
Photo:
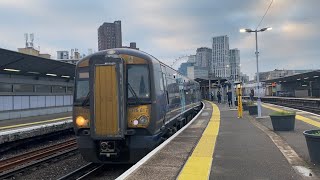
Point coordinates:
[(203, 57), (192, 59), (235, 63), (220, 57), (109, 35)]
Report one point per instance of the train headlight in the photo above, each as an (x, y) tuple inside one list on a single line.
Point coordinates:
[(143, 120), (135, 122), (82, 122)]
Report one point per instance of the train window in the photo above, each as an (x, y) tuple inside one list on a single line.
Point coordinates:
[(138, 80), (82, 89)]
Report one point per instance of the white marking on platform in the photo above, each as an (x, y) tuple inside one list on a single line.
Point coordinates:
[(21, 130), (127, 173), (303, 170), (293, 109)]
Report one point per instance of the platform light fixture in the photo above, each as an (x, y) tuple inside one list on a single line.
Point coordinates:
[(298, 79), (304, 85), (65, 76), (32, 72), (257, 55), (306, 78), (51, 74), (315, 76), (12, 70)]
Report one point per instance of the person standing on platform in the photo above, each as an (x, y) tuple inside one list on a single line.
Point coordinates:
[(219, 97), (251, 94), (229, 94)]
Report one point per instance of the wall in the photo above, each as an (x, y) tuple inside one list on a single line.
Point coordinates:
[(25, 106)]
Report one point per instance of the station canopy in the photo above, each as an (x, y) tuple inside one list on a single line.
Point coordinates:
[(12, 62), (308, 76), (214, 81)]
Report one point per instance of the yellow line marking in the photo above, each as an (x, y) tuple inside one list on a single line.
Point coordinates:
[(33, 123), (198, 165), (299, 117)]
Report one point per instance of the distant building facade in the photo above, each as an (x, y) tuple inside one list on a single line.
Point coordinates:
[(194, 72), (32, 51), (74, 57), (133, 45), (244, 78), (109, 35), (62, 54), (192, 59), (220, 56), (183, 69), (234, 55), (203, 57)]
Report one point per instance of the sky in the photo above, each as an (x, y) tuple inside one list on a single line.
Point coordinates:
[(169, 29)]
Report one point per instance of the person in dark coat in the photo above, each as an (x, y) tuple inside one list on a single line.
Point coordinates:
[(219, 97), (229, 94), (251, 94)]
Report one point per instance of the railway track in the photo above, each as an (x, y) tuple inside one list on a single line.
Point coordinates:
[(11, 166), (83, 172)]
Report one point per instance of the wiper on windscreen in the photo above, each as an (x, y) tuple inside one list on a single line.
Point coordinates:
[(133, 92), (86, 100)]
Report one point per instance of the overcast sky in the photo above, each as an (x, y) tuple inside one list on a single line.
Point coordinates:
[(169, 29)]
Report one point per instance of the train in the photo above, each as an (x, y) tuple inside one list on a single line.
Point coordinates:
[(126, 102)]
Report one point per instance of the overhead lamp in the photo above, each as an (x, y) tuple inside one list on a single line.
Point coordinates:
[(298, 79), (12, 70), (304, 85), (31, 72), (51, 74), (65, 76), (315, 76), (306, 78)]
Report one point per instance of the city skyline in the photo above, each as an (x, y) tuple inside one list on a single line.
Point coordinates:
[(170, 29)]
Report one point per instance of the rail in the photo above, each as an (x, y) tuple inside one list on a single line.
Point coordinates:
[(11, 166), (82, 172), (306, 104)]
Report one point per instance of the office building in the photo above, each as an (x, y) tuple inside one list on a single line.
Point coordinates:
[(234, 55), (220, 57), (109, 35), (203, 57)]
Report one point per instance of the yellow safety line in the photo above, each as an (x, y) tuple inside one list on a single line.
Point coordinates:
[(33, 123), (198, 165), (299, 117)]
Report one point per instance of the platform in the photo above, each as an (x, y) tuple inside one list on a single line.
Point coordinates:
[(22, 128), (218, 145)]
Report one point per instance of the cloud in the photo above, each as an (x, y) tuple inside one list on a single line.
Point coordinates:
[(169, 29)]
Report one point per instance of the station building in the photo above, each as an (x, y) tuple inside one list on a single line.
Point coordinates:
[(33, 85)]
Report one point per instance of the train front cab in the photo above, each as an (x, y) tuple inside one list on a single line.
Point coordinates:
[(113, 109)]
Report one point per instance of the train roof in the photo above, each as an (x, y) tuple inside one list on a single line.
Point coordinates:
[(133, 52)]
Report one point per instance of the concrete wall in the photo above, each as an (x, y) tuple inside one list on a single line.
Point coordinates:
[(12, 107)]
